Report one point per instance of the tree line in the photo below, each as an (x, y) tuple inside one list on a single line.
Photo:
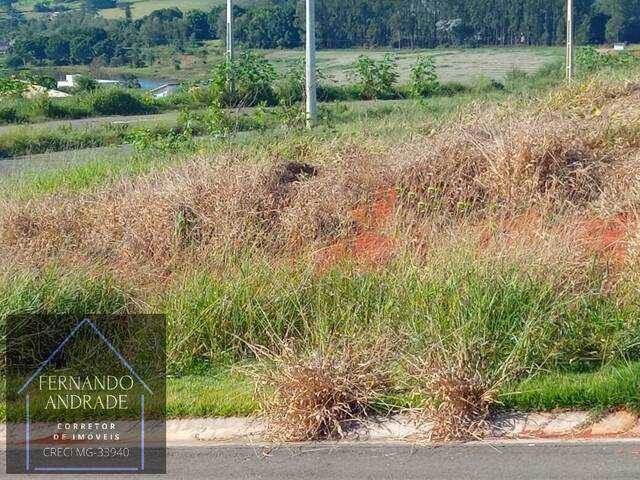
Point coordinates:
[(79, 36)]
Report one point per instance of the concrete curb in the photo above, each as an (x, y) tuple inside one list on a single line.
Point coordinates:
[(576, 425), (543, 425)]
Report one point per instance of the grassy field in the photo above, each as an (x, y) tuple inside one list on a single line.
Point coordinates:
[(139, 8), (487, 240), (460, 65), (452, 64)]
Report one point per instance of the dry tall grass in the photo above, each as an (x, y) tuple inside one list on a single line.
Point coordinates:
[(488, 168)]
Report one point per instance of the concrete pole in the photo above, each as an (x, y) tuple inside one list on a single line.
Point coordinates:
[(311, 94), (570, 55), (229, 30), (230, 45)]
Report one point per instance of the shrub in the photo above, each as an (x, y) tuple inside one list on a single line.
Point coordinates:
[(85, 84), (291, 86), (43, 106), (333, 93), (457, 396), (14, 61), (114, 101), (450, 89), (424, 80), (485, 85), (11, 87), (375, 79), (193, 97), (9, 114), (252, 78), (590, 60)]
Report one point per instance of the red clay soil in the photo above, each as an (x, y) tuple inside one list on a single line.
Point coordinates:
[(513, 229), (369, 246), (607, 237)]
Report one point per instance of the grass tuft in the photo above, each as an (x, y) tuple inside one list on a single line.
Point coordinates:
[(318, 395)]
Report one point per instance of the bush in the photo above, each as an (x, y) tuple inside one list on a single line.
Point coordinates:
[(252, 81), (291, 86), (314, 396), (114, 101), (14, 61), (12, 87), (9, 114), (485, 85), (590, 60), (59, 108), (193, 97), (424, 80), (450, 89), (375, 79), (85, 84)]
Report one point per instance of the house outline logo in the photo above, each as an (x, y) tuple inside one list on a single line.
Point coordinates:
[(36, 374)]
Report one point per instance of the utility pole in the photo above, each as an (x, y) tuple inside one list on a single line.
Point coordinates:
[(311, 94), (570, 40), (229, 31), (230, 46)]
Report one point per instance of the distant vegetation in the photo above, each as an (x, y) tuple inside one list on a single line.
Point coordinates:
[(83, 36), (263, 99)]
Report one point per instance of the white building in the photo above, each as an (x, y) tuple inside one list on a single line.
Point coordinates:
[(71, 81), (165, 90)]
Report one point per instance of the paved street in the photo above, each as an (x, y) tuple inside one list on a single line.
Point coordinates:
[(567, 461)]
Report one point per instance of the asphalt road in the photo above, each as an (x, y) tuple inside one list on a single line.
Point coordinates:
[(54, 160), (566, 461), (168, 117)]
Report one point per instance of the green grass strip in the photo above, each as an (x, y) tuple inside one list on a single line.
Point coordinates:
[(609, 387)]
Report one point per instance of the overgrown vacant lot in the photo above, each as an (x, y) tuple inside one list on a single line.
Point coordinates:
[(498, 247)]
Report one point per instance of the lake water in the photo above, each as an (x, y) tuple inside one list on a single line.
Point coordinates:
[(145, 83), (151, 83)]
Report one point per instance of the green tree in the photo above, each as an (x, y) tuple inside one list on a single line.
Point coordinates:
[(80, 50), (14, 61), (198, 25), (57, 49)]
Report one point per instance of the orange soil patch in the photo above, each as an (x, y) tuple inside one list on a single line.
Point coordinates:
[(370, 245), (607, 237), (512, 230)]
